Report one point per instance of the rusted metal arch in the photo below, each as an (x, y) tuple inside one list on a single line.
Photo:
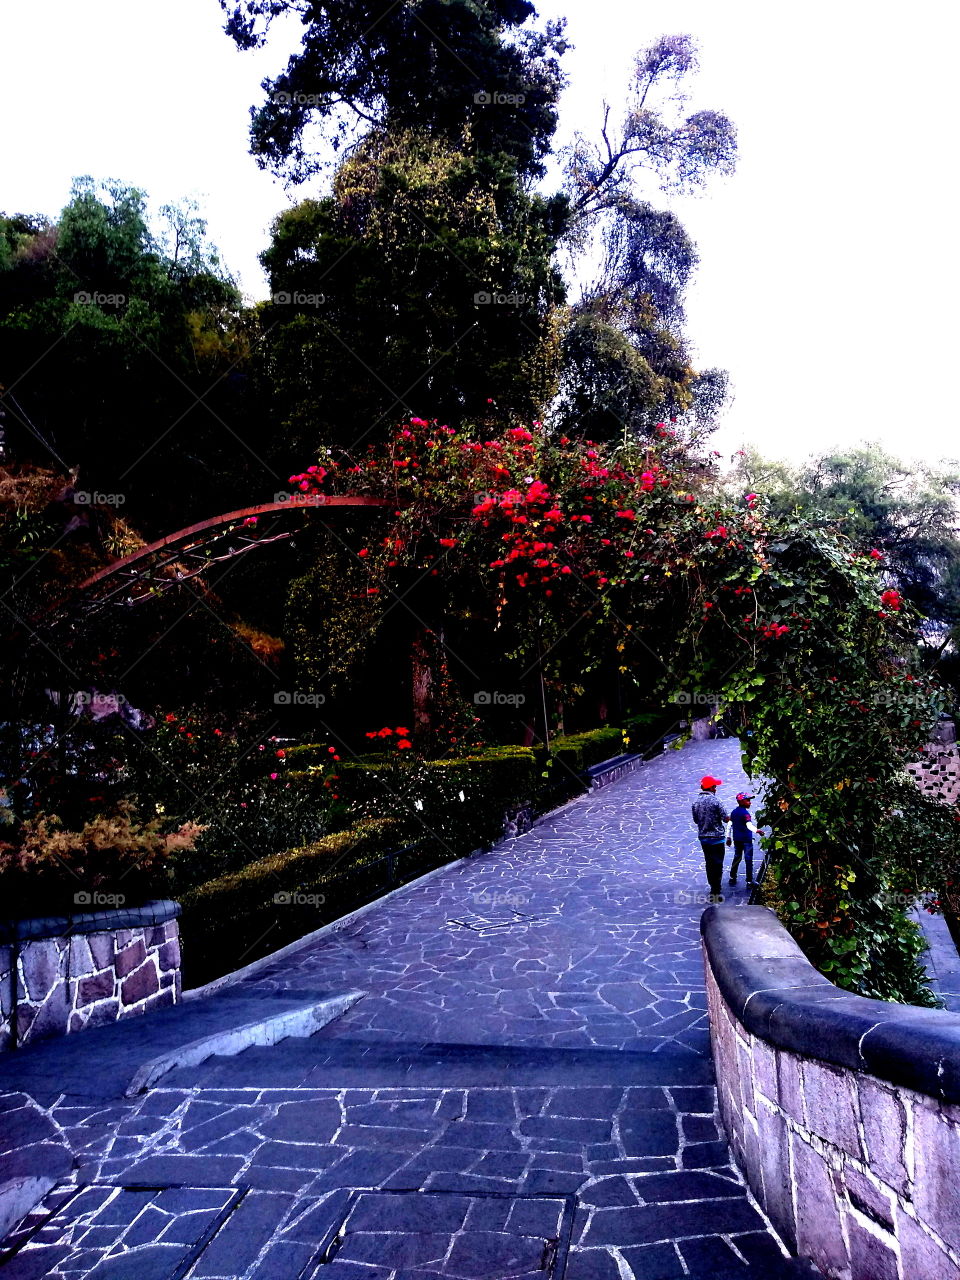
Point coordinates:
[(144, 573)]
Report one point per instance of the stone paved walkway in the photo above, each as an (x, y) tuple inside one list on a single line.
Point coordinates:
[(524, 1092)]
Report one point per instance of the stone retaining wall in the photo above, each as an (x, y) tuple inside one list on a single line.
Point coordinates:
[(844, 1113), (612, 770), (64, 974)]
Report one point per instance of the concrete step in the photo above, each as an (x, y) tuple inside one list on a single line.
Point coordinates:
[(128, 1056), (339, 1062)]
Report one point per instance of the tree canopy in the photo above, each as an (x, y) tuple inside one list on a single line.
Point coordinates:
[(454, 68)]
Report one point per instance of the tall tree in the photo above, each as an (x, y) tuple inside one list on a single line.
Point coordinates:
[(123, 355), (423, 284), (451, 67), (626, 362)]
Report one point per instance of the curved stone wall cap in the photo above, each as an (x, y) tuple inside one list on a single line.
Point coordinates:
[(35, 927), (775, 992)]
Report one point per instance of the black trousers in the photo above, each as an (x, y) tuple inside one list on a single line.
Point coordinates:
[(713, 858)]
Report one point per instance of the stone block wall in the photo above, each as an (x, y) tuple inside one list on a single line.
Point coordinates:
[(62, 975), (858, 1173), (613, 770)]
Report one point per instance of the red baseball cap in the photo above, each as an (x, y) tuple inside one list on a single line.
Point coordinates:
[(710, 781)]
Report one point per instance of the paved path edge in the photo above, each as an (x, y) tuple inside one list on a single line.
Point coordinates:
[(19, 1197), (300, 1023), (257, 966)]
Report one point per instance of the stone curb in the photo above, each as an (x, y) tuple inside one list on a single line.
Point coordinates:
[(143, 917), (18, 1197), (300, 1022), (777, 995)]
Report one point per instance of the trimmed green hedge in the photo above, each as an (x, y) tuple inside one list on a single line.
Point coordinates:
[(236, 918), (423, 797), (578, 751)]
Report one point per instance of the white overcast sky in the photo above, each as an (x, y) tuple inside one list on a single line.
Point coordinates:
[(830, 268)]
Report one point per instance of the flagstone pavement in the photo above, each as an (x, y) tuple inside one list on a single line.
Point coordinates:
[(524, 1091)]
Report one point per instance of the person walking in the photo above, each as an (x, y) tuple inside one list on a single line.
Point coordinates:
[(712, 821), (742, 831)]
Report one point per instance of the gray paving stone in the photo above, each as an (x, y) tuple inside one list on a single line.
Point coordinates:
[(654, 1262), (238, 1243), (705, 1155), (544, 1061)]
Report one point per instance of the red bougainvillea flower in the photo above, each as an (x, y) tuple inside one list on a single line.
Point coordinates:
[(752, 499), (892, 600), (875, 554), (404, 744), (418, 422), (250, 520), (626, 515), (281, 754), (721, 531), (447, 542), (364, 551)]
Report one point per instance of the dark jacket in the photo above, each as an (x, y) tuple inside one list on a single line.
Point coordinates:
[(710, 817)]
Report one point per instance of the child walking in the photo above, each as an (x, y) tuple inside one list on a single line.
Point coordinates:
[(742, 831)]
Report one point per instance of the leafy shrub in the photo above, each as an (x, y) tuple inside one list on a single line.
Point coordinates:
[(576, 752), (47, 869), (239, 917), (452, 806), (242, 790)]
